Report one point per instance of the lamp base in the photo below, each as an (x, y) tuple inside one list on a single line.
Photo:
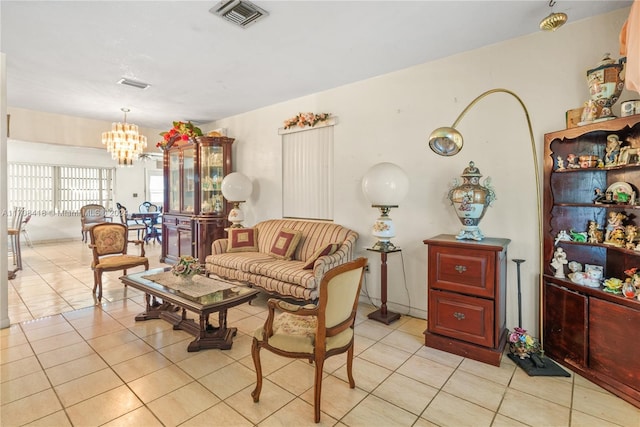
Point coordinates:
[(384, 246), (470, 233)]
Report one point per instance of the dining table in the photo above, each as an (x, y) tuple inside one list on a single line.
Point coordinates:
[(149, 219)]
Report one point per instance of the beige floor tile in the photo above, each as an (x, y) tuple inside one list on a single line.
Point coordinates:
[(224, 416), (122, 352), (403, 341), (57, 419), (580, 419), (75, 369), (241, 347), (148, 327), (182, 404), (406, 393), (442, 357), (165, 338), (178, 351), (23, 386), (539, 412), (14, 353), (426, 371), (296, 377), (448, 410), (297, 413), (64, 354), (141, 417), (269, 361), (375, 411), (98, 330), (247, 325), (336, 398), (85, 387), (372, 330), (555, 389), (502, 421), (204, 362), (43, 322), (414, 326), (111, 340), (361, 343), (30, 408), (55, 342), (48, 331), (18, 368), (229, 380), (158, 383), (140, 366), (367, 375), (104, 407), (272, 398), (385, 355), (465, 385), (500, 374), (605, 406)]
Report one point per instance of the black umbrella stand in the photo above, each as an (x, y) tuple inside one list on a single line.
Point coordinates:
[(537, 364)]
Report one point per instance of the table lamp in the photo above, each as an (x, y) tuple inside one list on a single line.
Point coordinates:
[(385, 185), (236, 188)]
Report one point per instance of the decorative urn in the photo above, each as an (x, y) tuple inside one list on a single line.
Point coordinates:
[(470, 200), (606, 82)]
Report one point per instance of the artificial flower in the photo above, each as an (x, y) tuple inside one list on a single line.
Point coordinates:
[(306, 119), (186, 266), (180, 131)]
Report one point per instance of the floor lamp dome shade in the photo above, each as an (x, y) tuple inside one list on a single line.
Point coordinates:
[(236, 188), (385, 185), (445, 141)]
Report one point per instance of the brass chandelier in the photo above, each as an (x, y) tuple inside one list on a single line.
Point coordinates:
[(554, 21), (124, 142)]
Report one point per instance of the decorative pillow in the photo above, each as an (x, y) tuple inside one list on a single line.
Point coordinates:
[(285, 244), (328, 249), (242, 240)]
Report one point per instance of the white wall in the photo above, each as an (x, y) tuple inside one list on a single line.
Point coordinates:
[(388, 118)]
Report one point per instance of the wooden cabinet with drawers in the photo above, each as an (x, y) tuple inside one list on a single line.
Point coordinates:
[(467, 297)]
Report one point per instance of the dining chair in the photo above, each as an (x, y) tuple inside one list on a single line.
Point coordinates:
[(25, 231), (91, 215), (14, 236), (314, 332), (109, 247), (131, 224)]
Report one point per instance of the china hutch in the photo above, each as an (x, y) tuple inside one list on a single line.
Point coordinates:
[(195, 213), (589, 327)]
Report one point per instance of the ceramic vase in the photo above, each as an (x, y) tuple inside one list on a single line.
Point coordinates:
[(606, 82), (470, 201)]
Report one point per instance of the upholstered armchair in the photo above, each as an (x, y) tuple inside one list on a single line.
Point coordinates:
[(314, 332), (91, 215), (109, 245)]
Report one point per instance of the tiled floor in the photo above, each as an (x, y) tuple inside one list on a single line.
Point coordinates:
[(97, 366)]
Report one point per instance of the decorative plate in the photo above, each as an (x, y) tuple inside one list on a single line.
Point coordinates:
[(620, 187)]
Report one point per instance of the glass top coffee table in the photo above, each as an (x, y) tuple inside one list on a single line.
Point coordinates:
[(201, 295)]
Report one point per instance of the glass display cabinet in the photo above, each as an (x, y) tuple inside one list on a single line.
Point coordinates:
[(195, 213)]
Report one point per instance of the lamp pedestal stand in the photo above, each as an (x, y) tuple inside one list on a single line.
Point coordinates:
[(382, 314)]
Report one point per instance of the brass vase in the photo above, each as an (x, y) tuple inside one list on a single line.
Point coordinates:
[(470, 201)]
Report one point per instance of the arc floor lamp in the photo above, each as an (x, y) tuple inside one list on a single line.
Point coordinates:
[(448, 141)]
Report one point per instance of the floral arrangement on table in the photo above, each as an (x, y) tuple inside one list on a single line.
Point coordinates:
[(522, 344), (180, 131), (186, 266), (306, 119)]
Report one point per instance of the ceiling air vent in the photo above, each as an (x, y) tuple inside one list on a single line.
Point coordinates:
[(129, 82), (239, 12)]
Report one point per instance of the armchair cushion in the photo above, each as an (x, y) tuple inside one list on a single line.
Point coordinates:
[(285, 244), (242, 240), (328, 249)]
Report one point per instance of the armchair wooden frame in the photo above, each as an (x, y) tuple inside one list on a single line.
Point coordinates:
[(335, 314), (109, 245)]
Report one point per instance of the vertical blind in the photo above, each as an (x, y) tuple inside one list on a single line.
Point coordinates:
[(307, 174)]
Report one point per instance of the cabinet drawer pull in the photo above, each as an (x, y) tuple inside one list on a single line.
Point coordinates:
[(460, 268), (458, 315)]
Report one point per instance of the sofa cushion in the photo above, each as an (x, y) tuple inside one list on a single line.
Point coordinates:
[(242, 240), (285, 271), (328, 249), (238, 260), (285, 244)]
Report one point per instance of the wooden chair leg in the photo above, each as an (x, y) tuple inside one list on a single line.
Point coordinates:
[(352, 382), (97, 283), (318, 389), (255, 354)]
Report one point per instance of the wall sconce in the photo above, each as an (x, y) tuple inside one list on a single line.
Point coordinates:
[(236, 188), (385, 185), (447, 141)]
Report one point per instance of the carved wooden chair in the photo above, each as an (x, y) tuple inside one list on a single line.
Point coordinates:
[(314, 332), (91, 215), (109, 245)]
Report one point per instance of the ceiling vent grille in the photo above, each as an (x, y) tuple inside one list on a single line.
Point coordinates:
[(239, 12), (129, 82)]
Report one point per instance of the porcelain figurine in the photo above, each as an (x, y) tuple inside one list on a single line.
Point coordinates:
[(615, 231), (606, 82), (562, 236), (558, 263), (594, 235), (560, 163), (612, 149)]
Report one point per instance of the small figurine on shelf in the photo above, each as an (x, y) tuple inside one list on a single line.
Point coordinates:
[(612, 149), (572, 161), (578, 236), (560, 163), (558, 263), (614, 222), (562, 236), (630, 234), (595, 235), (600, 197), (574, 266)]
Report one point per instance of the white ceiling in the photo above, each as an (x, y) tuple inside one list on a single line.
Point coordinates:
[(66, 56)]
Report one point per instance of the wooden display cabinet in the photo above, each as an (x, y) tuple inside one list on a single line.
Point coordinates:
[(591, 331), (467, 297), (195, 213)]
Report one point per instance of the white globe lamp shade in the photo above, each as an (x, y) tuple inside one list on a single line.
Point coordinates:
[(236, 187), (385, 184)]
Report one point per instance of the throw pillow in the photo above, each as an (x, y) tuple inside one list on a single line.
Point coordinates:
[(242, 240), (328, 249), (285, 244)]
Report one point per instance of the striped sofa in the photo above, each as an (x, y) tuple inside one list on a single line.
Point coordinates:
[(285, 278)]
